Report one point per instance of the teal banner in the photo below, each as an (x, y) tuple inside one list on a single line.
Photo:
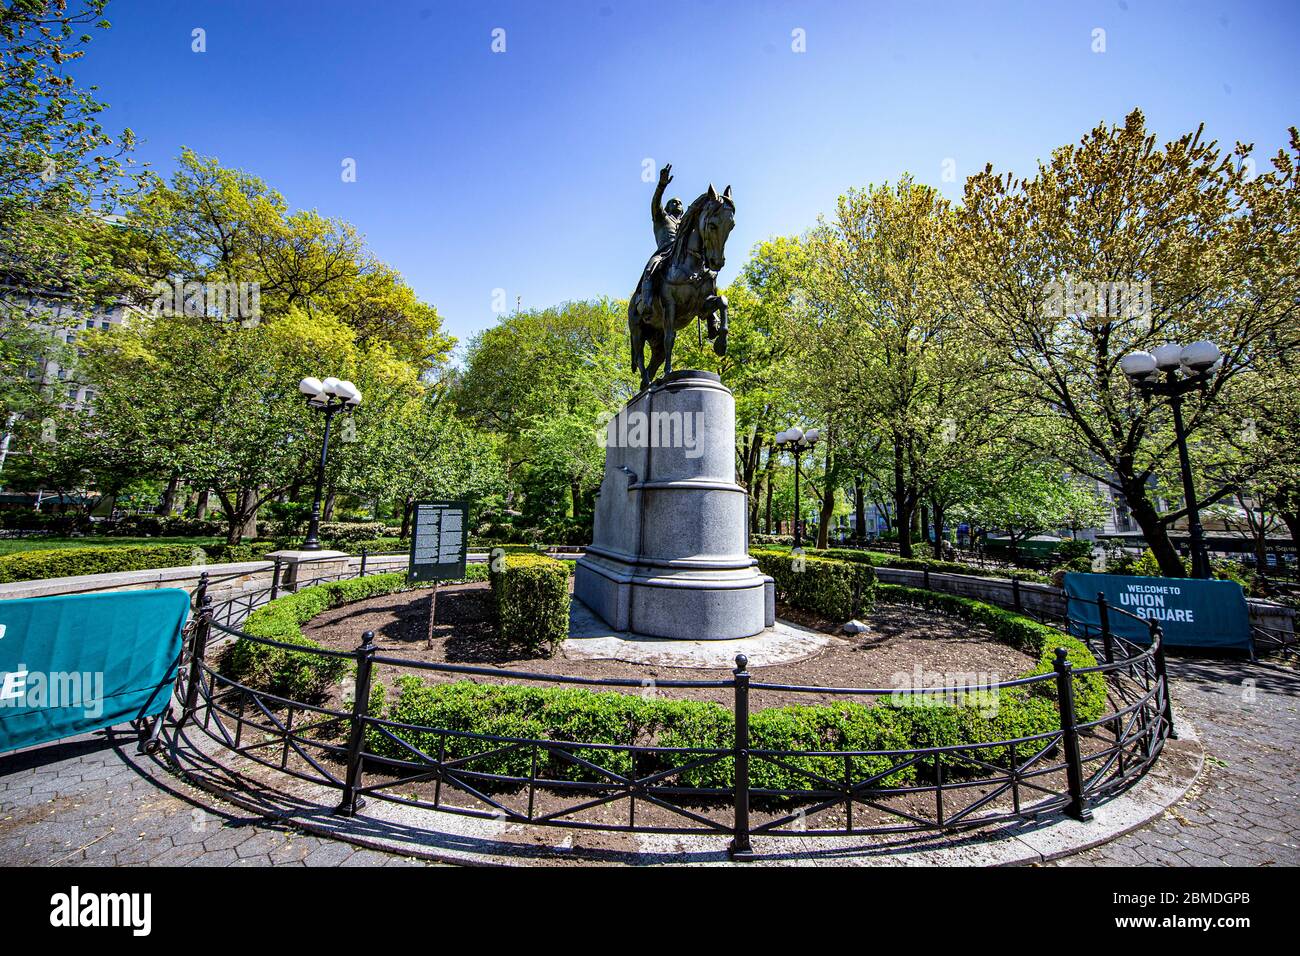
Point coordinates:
[(73, 664), (1191, 612)]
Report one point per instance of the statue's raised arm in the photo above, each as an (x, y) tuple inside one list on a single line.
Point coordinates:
[(665, 220)]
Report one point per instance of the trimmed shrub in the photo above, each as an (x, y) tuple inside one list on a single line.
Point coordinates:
[(109, 559), (563, 714), (881, 559), (836, 589), (234, 553), (347, 532), (530, 597), (287, 673), (66, 562)]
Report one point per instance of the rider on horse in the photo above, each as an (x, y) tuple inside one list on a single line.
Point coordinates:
[(666, 220)]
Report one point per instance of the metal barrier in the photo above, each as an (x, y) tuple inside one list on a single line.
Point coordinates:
[(717, 787)]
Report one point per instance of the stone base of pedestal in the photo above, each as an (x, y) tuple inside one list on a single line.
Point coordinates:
[(668, 556), (300, 568)]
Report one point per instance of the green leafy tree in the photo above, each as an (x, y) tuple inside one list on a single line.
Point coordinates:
[(1042, 258)]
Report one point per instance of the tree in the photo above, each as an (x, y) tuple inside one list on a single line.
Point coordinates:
[(888, 361), (60, 175), (220, 402), (544, 382), (1116, 245)]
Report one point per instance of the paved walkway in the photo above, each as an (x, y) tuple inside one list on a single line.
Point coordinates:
[(94, 800), (1244, 809)]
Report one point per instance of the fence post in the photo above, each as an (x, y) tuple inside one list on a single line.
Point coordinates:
[(363, 563), (1158, 642), (198, 647), (740, 846), (1015, 592), (1103, 613), (357, 737), (275, 580), (1078, 806)]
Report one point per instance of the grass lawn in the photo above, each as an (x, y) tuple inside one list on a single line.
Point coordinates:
[(14, 545)]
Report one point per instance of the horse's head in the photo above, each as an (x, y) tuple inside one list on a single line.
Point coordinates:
[(716, 222)]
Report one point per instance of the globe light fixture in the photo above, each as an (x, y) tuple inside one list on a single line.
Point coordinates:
[(330, 396), (1197, 363), (795, 440)]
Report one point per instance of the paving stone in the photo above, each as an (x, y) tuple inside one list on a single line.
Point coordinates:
[(87, 801)]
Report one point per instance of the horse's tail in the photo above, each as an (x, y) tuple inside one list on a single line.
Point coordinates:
[(634, 327)]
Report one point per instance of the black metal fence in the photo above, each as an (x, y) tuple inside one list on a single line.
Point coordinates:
[(646, 787)]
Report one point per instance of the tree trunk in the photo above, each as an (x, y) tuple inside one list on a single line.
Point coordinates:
[(168, 504), (408, 506), (859, 509), (824, 518), (902, 506), (1154, 530), (938, 528), (575, 494), (327, 511), (201, 505)]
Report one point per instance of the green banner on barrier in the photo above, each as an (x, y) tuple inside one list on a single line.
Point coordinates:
[(73, 664), (1191, 612)]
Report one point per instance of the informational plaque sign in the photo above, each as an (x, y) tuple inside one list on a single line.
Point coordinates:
[(440, 541)]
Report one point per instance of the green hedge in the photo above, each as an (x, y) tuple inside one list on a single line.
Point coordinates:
[(839, 590), (530, 599), (548, 713), (882, 559), (66, 562)]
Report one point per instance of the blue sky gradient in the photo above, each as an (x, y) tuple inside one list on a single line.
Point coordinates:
[(522, 170)]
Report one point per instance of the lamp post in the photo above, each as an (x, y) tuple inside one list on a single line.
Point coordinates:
[(328, 397), (1197, 362), (796, 440)]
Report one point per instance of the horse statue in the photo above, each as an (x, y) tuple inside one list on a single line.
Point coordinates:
[(682, 283)]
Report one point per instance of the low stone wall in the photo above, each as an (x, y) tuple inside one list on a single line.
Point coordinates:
[(1044, 600), (231, 580), (225, 580)]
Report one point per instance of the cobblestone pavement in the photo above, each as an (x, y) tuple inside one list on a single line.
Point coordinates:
[(94, 800), (1244, 809)]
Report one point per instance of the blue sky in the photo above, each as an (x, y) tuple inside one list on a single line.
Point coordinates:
[(522, 170)]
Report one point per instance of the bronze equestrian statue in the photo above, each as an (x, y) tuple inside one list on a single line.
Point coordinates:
[(679, 283)]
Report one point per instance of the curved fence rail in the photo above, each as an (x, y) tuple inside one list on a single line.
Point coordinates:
[(726, 788)]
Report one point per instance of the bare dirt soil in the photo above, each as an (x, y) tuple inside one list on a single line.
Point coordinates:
[(904, 647)]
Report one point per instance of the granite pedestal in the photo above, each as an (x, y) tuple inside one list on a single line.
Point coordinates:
[(669, 553)]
